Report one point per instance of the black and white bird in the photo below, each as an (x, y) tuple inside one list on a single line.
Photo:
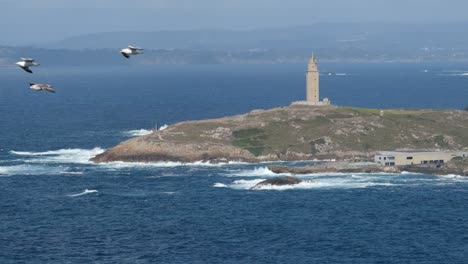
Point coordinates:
[(130, 50), (41, 87), (25, 63)]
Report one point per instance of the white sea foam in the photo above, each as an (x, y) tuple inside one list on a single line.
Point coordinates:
[(244, 184), (166, 164), (266, 172), (256, 172), (86, 191), (163, 127), (350, 181), (29, 169), (137, 132), (80, 156), (459, 74), (451, 177), (409, 173), (454, 74), (301, 185), (72, 172)]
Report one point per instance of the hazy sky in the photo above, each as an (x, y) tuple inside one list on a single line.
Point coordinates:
[(51, 20)]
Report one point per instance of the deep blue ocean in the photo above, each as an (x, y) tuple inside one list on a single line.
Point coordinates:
[(56, 207)]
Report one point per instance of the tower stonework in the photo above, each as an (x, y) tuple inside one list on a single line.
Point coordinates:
[(313, 86), (312, 81)]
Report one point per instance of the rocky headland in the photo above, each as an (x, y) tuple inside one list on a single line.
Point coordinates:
[(298, 133)]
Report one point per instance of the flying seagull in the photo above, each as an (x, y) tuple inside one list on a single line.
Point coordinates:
[(127, 52), (41, 87), (25, 63)]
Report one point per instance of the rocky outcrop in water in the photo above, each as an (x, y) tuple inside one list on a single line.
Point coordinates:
[(278, 182)]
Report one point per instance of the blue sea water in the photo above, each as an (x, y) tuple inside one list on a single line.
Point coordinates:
[(56, 207)]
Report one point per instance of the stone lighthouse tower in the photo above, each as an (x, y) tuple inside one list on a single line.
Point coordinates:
[(313, 82), (312, 87)]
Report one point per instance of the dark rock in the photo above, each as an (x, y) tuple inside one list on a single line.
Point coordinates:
[(279, 182)]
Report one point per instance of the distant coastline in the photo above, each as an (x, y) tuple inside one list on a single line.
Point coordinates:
[(104, 57)]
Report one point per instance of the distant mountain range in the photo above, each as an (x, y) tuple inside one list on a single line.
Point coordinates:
[(337, 41)]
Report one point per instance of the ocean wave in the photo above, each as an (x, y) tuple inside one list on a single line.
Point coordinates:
[(317, 183), (166, 164), (28, 169), (409, 173), (72, 172), (80, 156), (241, 184), (137, 133), (454, 74), (86, 191), (452, 177), (256, 172), (302, 185), (266, 172)]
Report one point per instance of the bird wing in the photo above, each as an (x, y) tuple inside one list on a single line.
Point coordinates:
[(27, 59), (134, 48), (125, 55), (26, 69), (48, 88)]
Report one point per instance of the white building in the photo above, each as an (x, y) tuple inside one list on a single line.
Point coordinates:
[(402, 158)]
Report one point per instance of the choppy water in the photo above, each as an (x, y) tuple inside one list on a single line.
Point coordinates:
[(57, 207)]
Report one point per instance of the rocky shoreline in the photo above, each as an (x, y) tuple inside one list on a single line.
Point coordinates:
[(345, 167), (450, 168)]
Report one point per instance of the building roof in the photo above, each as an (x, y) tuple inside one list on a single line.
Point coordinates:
[(414, 153)]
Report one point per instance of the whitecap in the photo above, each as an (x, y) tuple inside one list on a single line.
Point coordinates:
[(454, 74), (27, 169), (317, 183), (244, 184), (86, 191), (256, 172), (409, 173), (72, 172), (137, 133), (453, 177), (301, 185), (163, 127), (80, 156), (165, 164), (220, 185)]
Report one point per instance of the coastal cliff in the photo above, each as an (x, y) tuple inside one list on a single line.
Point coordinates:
[(297, 132)]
